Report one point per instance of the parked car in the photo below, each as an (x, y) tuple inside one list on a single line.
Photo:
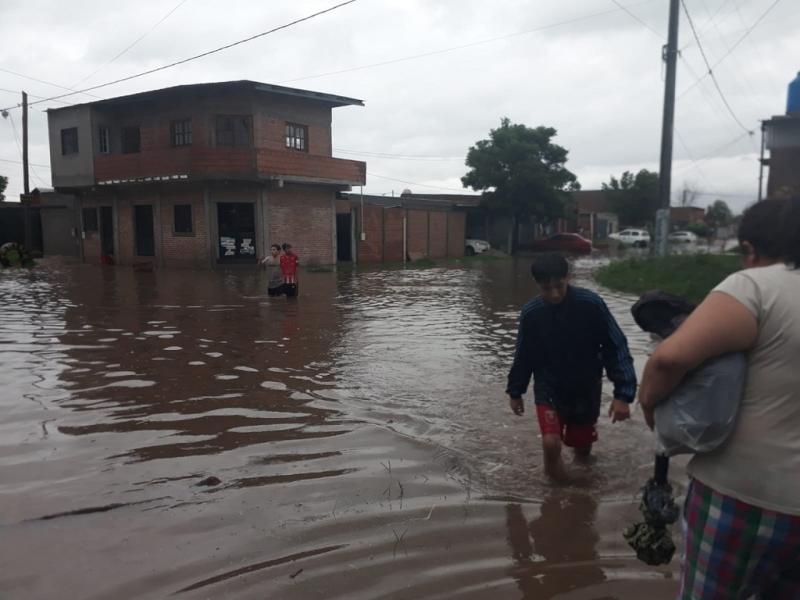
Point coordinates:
[(474, 247), (563, 242), (682, 237), (638, 238)]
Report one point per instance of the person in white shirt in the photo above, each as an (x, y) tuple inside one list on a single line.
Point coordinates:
[(742, 512)]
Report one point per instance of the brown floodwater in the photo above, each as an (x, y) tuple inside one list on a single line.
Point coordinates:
[(181, 434)]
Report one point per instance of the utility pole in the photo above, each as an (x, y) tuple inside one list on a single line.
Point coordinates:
[(670, 56), (25, 180)]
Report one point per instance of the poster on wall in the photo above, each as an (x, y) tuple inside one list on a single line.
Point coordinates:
[(228, 245)]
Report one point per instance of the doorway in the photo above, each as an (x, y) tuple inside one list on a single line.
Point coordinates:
[(344, 237), (143, 225), (237, 231), (107, 231)]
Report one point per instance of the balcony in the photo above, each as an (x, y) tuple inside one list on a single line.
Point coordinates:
[(197, 162), (188, 162), (309, 167)]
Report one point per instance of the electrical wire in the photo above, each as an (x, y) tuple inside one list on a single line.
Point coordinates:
[(433, 187), (191, 58), (19, 148), (399, 156), (139, 39), (731, 50), (19, 162), (50, 83), (460, 47), (711, 70)]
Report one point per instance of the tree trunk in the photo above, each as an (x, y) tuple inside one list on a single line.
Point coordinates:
[(514, 237)]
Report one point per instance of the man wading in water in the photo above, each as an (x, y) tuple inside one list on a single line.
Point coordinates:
[(566, 337)]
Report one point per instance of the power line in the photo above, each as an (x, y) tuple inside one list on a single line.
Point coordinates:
[(399, 156), (460, 47), (50, 83), (19, 147), (711, 70), (139, 39), (195, 57), (18, 92), (19, 162), (637, 18), (730, 51), (434, 187)]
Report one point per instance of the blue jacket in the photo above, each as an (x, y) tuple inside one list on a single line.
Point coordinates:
[(565, 347)]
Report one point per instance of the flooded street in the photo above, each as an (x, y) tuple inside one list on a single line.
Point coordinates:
[(179, 433)]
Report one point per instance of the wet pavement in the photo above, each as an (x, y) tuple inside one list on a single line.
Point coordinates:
[(179, 433)]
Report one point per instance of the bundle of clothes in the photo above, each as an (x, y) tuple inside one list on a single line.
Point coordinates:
[(698, 417)]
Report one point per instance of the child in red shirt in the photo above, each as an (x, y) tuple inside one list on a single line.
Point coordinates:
[(289, 270)]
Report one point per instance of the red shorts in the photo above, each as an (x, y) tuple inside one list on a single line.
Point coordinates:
[(574, 436)]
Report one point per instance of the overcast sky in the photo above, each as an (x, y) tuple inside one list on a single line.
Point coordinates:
[(436, 76)]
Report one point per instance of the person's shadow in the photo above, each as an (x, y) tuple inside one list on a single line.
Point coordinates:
[(557, 551)]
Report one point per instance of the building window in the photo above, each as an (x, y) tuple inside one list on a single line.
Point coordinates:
[(233, 130), (181, 132), (183, 218), (89, 219), (105, 141), (131, 140), (69, 141), (297, 137)]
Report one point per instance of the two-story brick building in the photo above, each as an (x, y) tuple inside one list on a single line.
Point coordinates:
[(205, 174)]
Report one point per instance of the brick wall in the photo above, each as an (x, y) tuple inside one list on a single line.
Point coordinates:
[(784, 172), (92, 248), (437, 240), (393, 234), (126, 200), (371, 249), (181, 249), (456, 228), (273, 112), (303, 216), (417, 234)]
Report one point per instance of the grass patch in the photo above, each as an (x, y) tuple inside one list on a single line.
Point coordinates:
[(691, 276)]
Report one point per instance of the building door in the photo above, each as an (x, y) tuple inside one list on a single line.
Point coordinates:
[(143, 224), (344, 237), (237, 231), (106, 231)]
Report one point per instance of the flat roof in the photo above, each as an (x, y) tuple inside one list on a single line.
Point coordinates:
[(243, 84)]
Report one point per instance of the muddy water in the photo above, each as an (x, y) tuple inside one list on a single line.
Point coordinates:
[(179, 433)]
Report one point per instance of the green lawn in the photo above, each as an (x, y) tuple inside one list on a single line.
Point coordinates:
[(690, 276)]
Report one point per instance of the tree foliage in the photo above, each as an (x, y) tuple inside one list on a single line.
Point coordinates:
[(634, 197), (719, 214), (3, 185), (521, 172)]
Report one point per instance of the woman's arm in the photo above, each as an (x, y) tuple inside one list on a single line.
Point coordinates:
[(720, 325)]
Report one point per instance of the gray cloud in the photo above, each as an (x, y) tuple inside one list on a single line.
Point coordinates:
[(597, 80)]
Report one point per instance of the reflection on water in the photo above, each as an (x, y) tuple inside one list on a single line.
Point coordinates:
[(220, 434)]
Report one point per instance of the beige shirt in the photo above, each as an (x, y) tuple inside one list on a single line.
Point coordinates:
[(760, 462)]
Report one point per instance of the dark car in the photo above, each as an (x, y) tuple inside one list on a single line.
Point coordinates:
[(563, 242)]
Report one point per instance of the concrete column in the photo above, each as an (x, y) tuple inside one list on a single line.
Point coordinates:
[(211, 228)]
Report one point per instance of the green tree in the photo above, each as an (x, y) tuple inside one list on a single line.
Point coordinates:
[(521, 174), (3, 185), (634, 197), (718, 214)]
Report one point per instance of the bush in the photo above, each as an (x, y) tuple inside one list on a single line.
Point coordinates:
[(690, 276), (13, 254)]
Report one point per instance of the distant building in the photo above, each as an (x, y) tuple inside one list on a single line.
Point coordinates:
[(782, 139), (596, 218), (680, 217), (415, 226), (203, 175)]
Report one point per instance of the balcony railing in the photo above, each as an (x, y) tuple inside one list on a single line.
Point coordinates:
[(196, 161)]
